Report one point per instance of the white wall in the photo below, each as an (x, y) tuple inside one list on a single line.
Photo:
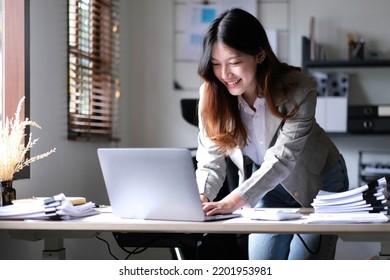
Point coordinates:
[(149, 109)]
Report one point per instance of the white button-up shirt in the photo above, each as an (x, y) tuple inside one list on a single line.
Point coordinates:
[(254, 121)]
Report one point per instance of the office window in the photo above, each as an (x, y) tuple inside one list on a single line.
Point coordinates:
[(93, 69)]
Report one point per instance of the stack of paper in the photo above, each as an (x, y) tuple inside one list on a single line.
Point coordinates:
[(57, 207), (368, 203), (369, 198)]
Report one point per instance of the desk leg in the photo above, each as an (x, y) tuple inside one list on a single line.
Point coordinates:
[(53, 249), (384, 254)]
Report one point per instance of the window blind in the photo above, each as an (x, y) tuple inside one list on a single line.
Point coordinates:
[(93, 69)]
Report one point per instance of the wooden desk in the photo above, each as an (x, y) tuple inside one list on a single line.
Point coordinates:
[(53, 232)]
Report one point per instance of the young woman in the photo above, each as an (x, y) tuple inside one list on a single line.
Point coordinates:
[(261, 113)]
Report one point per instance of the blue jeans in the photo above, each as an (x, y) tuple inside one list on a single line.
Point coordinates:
[(298, 246)]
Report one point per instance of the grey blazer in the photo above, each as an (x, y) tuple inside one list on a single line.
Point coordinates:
[(298, 152)]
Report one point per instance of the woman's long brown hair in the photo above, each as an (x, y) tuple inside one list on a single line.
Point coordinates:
[(220, 115)]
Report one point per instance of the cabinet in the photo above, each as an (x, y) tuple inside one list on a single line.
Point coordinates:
[(365, 119), (373, 165)]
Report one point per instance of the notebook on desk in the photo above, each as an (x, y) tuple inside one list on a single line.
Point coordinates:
[(153, 183)]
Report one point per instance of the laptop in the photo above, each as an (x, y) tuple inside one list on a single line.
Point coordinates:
[(153, 184)]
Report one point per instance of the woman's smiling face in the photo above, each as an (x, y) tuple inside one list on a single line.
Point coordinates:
[(236, 70)]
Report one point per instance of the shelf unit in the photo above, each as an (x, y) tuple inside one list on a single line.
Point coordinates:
[(308, 63), (358, 122)]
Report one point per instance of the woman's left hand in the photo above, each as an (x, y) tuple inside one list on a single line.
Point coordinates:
[(228, 204)]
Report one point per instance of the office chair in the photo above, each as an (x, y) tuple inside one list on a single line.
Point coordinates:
[(215, 246), (189, 110)]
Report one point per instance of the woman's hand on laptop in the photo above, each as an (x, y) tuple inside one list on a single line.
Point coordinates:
[(228, 204), (204, 198)]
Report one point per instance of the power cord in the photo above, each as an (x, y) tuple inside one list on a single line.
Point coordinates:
[(108, 246), (137, 250)]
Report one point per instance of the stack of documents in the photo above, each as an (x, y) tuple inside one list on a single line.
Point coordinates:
[(57, 207), (368, 203), (369, 198)]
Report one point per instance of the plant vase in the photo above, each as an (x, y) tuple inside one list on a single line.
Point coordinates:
[(8, 193)]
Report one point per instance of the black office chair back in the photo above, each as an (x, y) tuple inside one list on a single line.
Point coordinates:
[(189, 110)]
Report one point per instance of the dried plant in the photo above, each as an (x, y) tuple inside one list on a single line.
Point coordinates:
[(13, 148)]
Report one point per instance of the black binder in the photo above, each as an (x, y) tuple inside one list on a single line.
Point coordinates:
[(369, 119)]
